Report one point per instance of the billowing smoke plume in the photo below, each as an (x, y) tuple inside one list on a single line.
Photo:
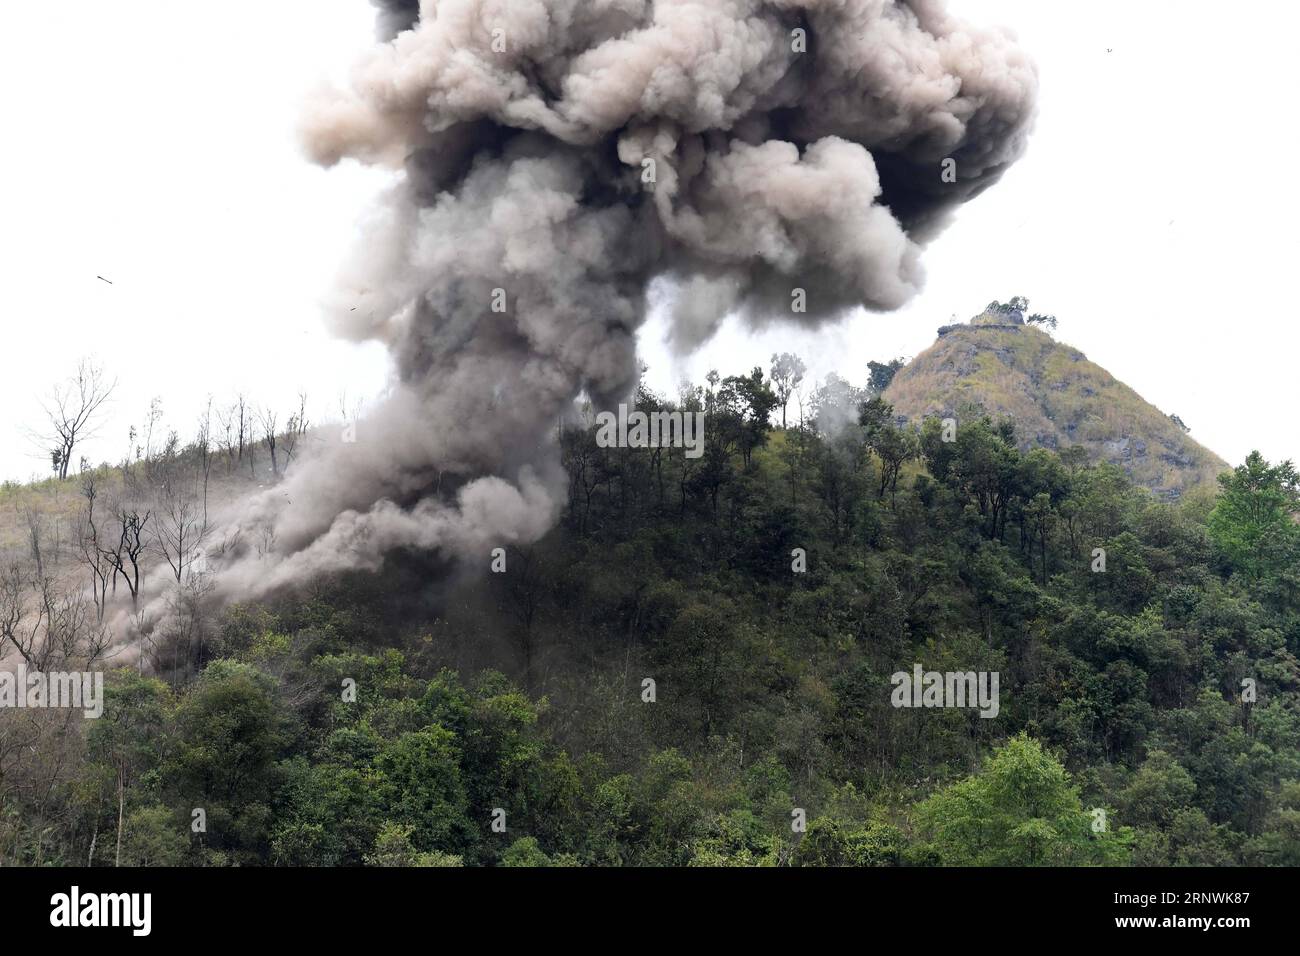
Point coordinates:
[(396, 16), (558, 155)]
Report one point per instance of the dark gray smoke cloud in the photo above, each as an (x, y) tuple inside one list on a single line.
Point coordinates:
[(395, 16), (523, 129)]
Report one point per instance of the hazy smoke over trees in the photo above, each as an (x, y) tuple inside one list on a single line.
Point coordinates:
[(557, 156)]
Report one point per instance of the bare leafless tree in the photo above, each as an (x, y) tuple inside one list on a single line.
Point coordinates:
[(203, 444), (92, 553), (245, 424), (295, 430), (72, 409), (125, 556), (180, 529), (226, 437), (265, 541), (268, 418), (35, 536), (246, 440), (71, 633), (46, 624), (16, 628), (155, 416)]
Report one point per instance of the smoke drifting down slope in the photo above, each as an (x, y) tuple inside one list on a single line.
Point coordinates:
[(791, 144)]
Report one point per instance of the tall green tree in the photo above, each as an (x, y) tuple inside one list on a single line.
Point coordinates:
[(1254, 520), (1020, 810)]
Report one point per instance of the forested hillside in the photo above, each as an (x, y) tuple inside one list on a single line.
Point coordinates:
[(698, 659)]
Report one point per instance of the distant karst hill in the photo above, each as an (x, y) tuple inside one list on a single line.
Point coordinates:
[(1055, 396)]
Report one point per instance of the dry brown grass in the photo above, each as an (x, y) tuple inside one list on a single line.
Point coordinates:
[(1056, 398)]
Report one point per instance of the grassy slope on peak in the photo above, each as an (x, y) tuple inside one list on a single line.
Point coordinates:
[(1057, 398)]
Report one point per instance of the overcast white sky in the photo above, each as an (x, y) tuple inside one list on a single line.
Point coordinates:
[(152, 143)]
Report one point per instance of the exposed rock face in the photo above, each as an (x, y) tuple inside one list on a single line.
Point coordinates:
[(1055, 397)]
